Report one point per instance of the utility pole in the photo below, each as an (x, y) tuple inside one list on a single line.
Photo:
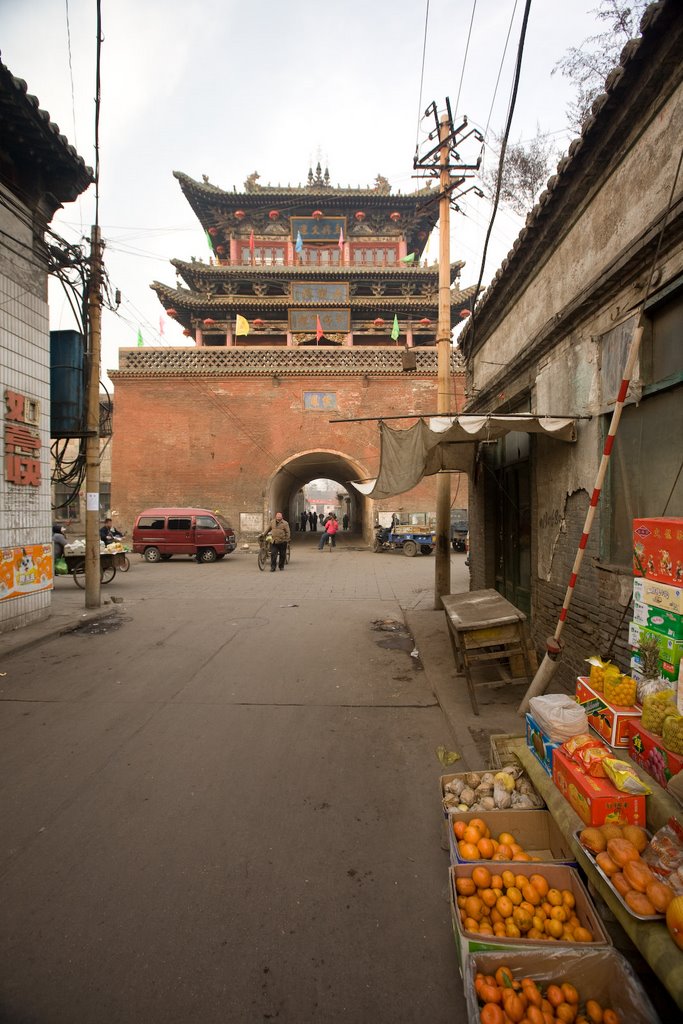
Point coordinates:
[(92, 441), (438, 162)]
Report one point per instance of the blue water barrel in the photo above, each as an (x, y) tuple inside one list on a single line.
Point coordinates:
[(67, 384)]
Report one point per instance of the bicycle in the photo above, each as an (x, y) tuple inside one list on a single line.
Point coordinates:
[(265, 547)]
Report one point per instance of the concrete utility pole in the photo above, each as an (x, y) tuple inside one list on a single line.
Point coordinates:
[(442, 582), (437, 162), (92, 441)]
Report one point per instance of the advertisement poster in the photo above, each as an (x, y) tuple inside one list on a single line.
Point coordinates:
[(25, 570)]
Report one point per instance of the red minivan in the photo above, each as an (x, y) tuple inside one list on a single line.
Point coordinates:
[(161, 533)]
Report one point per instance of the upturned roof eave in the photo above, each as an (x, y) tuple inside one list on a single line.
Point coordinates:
[(205, 190)]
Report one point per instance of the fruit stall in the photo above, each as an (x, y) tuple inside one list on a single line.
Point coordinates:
[(584, 815)]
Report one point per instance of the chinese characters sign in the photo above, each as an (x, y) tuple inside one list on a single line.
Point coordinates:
[(22, 440), (332, 321), (320, 401), (323, 229), (304, 291)]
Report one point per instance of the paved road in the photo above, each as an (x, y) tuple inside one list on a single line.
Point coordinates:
[(223, 806)]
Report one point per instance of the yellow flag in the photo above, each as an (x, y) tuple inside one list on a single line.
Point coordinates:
[(241, 325)]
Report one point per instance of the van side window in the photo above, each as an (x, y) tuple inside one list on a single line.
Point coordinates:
[(179, 524), (149, 523), (207, 522)]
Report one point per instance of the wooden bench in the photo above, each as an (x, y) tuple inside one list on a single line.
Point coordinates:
[(484, 628)]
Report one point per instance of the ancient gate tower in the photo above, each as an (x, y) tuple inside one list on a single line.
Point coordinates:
[(341, 321)]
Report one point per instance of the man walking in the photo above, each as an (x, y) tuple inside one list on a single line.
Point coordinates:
[(279, 531)]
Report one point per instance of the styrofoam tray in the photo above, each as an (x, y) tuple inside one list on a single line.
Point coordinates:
[(639, 917)]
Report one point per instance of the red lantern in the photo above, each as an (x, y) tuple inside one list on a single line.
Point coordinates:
[(188, 334), (378, 322), (213, 232), (317, 214), (208, 322), (395, 216), (257, 322), (359, 216), (274, 214), (220, 248), (425, 321), (464, 313), (170, 312), (240, 214)]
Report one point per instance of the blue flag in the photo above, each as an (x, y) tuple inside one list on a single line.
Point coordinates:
[(299, 247)]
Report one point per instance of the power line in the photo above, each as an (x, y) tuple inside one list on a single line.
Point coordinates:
[(464, 60), (422, 75)]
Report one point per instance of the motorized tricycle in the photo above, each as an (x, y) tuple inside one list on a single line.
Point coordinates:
[(404, 538)]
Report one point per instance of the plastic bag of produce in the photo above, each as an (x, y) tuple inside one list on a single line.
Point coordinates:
[(620, 691), (600, 670), (558, 715), (672, 733), (656, 707), (61, 568), (624, 777)]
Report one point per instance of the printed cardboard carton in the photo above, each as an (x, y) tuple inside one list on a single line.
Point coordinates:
[(540, 744), (660, 595), (670, 651), (596, 801), (648, 751), (669, 624), (608, 720), (658, 549)]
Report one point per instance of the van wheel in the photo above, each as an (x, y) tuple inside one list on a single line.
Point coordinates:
[(207, 555), (152, 555), (166, 558)]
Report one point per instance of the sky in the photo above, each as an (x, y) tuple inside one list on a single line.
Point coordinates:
[(225, 88)]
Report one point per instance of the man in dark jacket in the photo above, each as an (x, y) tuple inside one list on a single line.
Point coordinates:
[(279, 531)]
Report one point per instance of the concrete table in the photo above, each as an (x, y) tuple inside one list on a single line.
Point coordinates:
[(484, 628)]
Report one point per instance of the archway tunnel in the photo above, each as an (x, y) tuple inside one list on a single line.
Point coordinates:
[(287, 483)]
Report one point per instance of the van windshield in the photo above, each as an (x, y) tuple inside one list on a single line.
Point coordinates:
[(223, 521)]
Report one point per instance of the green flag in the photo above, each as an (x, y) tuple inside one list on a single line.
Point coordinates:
[(410, 258), (395, 330), (140, 341), (209, 240)]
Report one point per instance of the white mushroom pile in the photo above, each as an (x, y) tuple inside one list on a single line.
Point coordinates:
[(506, 789)]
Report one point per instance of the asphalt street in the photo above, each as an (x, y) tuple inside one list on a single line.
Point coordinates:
[(221, 804)]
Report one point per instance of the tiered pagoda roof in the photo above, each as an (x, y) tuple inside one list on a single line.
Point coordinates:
[(349, 255)]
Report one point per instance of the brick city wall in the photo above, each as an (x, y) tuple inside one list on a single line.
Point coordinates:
[(224, 442)]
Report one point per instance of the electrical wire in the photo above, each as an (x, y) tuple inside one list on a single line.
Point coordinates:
[(506, 135), (422, 75), (464, 60), (500, 69), (98, 98)]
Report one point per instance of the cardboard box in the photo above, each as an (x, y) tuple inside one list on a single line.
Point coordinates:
[(670, 651), (658, 547), (596, 801), (559, 877), (540, 744), (600, 973), (608, 720), (664, 671), (669, 624), (648, 751), (659, 595), (536, 831), (461, 775)]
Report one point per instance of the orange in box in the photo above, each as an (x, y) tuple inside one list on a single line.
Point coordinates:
[(596, 801), (609, 721)]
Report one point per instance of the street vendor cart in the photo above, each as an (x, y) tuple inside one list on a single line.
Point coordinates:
[(109, 563)]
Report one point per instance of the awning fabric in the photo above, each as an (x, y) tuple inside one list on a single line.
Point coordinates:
[(447, 443)]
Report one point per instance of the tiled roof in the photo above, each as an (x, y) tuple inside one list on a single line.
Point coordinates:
[(402, 272), (26, 131)]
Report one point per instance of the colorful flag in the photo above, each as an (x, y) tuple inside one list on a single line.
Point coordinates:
[(251, 244), (341, 237), (209, 240), (410, 258), (395, 330), (140, 341), (161, 326), (241, 325), (318, 329), (299, 247)]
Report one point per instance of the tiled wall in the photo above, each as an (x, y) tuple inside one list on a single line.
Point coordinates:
[(25, 517)]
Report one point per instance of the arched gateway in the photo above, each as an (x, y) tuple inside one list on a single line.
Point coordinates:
[(314, 308)]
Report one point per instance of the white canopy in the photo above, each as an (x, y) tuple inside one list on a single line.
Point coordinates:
[(447, 443)]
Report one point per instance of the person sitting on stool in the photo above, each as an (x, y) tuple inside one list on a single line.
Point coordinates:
[(279, 530)]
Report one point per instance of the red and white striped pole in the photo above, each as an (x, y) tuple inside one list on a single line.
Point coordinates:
[(554, 644)]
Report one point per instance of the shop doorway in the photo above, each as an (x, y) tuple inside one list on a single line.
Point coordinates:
[(513, 521)]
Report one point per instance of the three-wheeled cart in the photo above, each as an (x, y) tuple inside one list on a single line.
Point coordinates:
[(109, 563)]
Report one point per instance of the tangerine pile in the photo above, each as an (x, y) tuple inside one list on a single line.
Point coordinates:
[(506, 1001), (517, 907), (475, 842)]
